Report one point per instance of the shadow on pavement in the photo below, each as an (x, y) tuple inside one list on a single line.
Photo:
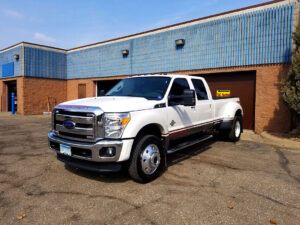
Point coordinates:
[(123, 176), (189, 152)]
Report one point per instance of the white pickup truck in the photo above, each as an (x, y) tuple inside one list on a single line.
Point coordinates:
[(138, 122)]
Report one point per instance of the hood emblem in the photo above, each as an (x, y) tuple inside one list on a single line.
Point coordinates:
[(69, 124)]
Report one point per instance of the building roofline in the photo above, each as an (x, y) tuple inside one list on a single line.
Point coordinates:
[(181, 23), (29, 43), (150, 31)]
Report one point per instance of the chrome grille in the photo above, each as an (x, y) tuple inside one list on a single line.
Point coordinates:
[(87, 124)]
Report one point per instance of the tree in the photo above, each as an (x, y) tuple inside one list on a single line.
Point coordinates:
[(291, 84)]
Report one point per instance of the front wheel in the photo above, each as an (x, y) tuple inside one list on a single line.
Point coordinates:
[(147, 159)]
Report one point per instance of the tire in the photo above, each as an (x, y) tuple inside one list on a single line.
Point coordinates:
[(236, 129), (147, 159)]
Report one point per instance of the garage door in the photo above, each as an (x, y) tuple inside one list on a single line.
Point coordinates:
[(240, 84), (104, 86)]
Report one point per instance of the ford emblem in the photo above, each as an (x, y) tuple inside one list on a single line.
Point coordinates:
[(69, 124)]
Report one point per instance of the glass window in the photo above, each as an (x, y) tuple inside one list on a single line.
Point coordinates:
[(178, 86), (151, 88), (200, 89)]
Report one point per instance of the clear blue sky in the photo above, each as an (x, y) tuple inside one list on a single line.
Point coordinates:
[(71, 23)]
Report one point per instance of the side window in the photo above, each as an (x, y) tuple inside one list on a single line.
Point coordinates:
[(200, 89), (178, 86)]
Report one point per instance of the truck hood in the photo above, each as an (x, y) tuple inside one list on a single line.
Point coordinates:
[(115, 104)]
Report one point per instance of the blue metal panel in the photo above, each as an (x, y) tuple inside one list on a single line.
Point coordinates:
[(280, 35), (8, 69), (288, 26), (262, 58), (252, 38), (275, 36), (44, 63), (284, 35), (291, 30), (8, 57), (268, 35), (248, 43)]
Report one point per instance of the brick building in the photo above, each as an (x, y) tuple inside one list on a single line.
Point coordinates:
[(247, 51)]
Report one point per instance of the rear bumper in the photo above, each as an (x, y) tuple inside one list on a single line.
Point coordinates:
[(90, 152)]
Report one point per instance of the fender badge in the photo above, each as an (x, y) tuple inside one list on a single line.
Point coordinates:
[(172, 123)]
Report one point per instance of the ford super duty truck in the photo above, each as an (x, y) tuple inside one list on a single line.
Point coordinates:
[(139, 121)]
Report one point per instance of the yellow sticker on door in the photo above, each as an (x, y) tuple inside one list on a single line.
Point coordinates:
[(223, 93)]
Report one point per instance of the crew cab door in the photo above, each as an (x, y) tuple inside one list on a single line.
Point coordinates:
[(180, 117), (204, 105)]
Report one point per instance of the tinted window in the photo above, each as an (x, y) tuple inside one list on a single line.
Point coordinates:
[(200, 89), (178, 86), (152, 88)]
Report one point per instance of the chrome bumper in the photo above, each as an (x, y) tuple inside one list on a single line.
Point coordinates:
[(93, 148)]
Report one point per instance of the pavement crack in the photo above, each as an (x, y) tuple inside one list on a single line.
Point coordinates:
[(269, 198), (42, 193), (284, 164)]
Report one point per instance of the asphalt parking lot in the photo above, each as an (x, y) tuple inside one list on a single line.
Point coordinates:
[(212, 183)]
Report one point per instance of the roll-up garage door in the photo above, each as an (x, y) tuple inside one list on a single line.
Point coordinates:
[(240, 84)]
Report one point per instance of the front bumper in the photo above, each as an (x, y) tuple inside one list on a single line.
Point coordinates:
[(91, 151), (90, 166)]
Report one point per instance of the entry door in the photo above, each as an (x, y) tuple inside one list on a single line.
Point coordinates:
[(179, 116), (204, 105), (81, 90)]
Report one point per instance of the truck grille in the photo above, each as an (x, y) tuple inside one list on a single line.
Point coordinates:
[(87, 125)]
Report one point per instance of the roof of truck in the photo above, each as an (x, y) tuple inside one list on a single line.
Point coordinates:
[(166, 75)]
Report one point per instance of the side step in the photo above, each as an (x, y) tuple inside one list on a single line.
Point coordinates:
[(189, 143)]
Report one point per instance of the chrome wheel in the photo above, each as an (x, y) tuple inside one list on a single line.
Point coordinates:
[(150, 159), (237, 129)]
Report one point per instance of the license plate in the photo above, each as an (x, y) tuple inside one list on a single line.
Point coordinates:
[(66, 150)]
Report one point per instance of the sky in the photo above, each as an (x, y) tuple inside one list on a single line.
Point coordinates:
[(72, 23)]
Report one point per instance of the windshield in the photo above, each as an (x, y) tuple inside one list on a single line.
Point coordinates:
[(151, 88)]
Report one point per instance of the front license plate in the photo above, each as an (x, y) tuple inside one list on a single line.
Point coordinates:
[(66, 150)]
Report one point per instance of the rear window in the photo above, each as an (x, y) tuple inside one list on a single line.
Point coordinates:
[(200, 89)]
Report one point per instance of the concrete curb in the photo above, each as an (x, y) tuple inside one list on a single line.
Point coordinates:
[(282, 142)]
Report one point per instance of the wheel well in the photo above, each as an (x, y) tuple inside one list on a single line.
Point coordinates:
[(153, 129), (239, 113)]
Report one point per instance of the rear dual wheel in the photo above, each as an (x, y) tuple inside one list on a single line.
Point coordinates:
[(236, 129)]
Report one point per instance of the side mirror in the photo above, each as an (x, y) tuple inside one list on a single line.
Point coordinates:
[(186, 99), (189, 97)]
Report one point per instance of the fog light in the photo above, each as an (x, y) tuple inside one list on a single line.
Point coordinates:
[(107, 152)]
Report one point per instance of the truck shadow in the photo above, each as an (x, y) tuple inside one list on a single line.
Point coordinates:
[(107, 177), (189, 152), (123, 176)]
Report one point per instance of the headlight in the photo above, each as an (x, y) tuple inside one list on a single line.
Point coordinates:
[(114, 124)]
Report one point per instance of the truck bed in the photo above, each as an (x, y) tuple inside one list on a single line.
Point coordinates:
[(220, 103)]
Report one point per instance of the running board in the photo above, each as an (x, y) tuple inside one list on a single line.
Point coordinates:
[(188, 144)]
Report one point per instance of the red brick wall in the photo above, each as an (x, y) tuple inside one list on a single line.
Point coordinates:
[(271, 113), (72, 88), (37, 91)]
